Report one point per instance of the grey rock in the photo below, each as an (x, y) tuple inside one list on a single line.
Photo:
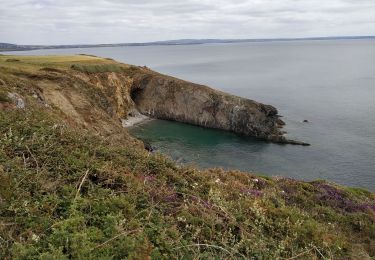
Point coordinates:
[(200, 105), (17, 100)]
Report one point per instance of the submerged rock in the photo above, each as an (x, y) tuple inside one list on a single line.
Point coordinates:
[(147, 145)]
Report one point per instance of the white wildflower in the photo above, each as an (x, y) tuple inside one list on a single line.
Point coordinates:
[(35, 238)]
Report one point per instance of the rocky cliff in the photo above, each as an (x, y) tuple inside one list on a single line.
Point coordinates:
[(164, 97), (99, 93)]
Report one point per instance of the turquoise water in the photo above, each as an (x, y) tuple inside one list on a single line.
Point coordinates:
[(329, 83)]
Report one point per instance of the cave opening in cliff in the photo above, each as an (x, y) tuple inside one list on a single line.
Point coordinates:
[(135, 93)]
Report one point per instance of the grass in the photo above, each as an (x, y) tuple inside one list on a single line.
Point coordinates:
[(35, 63), (4, 97), (101, 200), (67, 192), (97, 68)]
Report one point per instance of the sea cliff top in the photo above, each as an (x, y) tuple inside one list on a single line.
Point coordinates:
[(75, 184)]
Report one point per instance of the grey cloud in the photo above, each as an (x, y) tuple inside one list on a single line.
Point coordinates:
[(106, 21)]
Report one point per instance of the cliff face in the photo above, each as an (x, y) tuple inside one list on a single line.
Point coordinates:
[(99, 93), (164, 97), (96, 100)]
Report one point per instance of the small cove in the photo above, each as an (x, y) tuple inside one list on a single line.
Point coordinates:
[(329, 83)]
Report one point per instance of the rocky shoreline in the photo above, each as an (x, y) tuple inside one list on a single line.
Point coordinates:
[(163, 97), (102, 90), (134, 120)]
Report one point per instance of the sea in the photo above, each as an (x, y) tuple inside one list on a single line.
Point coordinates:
[(329, 83)]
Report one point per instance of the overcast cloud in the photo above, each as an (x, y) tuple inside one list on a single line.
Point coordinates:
[(115, 21)]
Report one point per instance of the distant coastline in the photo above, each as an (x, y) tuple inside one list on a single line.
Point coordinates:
[(18, 47)]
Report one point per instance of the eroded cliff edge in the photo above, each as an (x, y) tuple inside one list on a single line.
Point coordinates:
[(165, 97), (99, 93)]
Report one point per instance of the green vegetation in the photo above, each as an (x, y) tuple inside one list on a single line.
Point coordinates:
[(12, 60), (65, 194), (68, 192), (4, 97), (97, 68), (34, 63)]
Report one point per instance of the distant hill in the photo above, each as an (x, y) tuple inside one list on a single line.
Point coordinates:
[(8, 46), (15, 47)]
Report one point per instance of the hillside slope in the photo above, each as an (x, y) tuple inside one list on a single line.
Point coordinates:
[(78, 83), (75, 185)]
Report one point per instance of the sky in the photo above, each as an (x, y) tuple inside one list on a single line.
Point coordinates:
[(120, 21)]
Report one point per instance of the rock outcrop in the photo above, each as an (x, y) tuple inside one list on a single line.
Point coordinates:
[(100, 93), (164, 97)]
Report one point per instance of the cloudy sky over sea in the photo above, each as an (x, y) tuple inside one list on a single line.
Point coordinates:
[(115, 21)]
